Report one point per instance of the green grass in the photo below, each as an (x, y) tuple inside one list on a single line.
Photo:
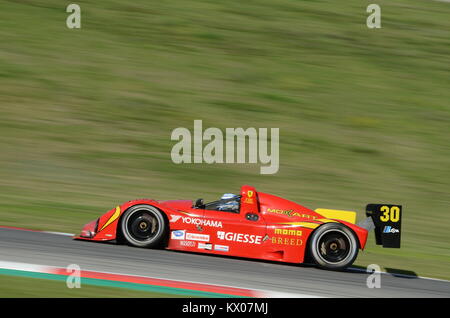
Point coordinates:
[(86, 115), (25, 287)]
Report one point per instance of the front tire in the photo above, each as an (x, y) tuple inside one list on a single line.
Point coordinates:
[(333, 246), (143, 226)]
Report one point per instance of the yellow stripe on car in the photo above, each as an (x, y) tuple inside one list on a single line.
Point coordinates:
[(308, 225), (192, 215), (112, 218), (347, 216)]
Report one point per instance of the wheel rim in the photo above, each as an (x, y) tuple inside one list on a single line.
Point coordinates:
[(333, 247), (143, 225)]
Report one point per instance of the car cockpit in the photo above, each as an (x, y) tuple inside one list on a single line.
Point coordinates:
[(229, 202)]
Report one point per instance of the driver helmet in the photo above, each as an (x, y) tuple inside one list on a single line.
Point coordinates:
[(228, 196)]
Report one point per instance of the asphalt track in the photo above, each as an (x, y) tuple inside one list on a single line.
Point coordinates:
[(290, 280)]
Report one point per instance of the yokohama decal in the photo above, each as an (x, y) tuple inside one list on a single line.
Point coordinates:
[(195, 221)]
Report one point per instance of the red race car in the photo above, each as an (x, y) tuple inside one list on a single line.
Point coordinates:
[(251, 225)]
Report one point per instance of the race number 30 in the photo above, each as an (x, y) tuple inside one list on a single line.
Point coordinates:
[(390, 213)]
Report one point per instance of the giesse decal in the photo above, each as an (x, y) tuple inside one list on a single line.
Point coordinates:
[(239, 237)]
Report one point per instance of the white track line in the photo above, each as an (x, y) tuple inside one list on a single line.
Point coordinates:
[(37, 231), (401, 275), (24, 267), (59, 233)]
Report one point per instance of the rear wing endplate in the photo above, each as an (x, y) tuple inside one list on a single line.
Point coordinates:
[(386, 219)]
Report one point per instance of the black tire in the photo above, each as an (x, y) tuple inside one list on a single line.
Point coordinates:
[(143, 226), (333, 246)]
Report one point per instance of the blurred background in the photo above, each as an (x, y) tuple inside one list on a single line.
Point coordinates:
[(86, 114)]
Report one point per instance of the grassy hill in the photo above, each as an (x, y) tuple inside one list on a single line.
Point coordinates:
[(86, 115)]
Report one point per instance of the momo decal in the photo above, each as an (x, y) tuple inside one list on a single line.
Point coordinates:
[(288, 232)]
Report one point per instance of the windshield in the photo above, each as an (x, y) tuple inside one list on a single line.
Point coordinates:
[(226, 205)]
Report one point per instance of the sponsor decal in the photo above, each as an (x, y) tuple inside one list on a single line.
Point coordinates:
[(291, 213), (286, 212), (288, 232), (390, 229), (222, 248), (174, 218), (204, 246), (239, 237), (197, 237), (287, 241), (178, 235), (187, 243), (195, 221), (248, 201)]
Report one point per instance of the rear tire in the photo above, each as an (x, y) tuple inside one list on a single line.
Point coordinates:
[(143, 226), (333, 246)]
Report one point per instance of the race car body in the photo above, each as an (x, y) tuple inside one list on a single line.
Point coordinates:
[(251, 225)]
